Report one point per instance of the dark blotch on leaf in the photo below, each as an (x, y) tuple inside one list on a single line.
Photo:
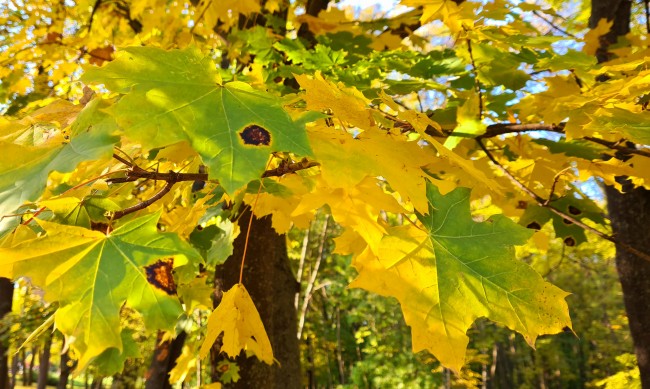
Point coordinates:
[(569, 241), (160, 275), (534, 226), (567, 222), (256, 135), (574, 211), (522, 204)]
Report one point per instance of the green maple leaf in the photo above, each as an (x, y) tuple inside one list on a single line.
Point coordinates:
[(24, 168), (457, 270), (177, 95), (92, 275)]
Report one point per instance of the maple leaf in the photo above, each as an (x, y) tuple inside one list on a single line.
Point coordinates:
[(177, 95), (348, 104), (345, 161), (592, 37), (357, 207), (215, 10), (25, 163), (457, 270), (238, 319), (92, 275)]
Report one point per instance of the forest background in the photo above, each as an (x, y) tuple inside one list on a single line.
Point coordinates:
[(433, 187)]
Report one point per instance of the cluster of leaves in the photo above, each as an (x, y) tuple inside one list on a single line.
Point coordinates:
[(96, 237), (358, 338)]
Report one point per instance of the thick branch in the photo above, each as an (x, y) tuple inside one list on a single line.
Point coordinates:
[(545, 203), (136, 172), (494, 130)]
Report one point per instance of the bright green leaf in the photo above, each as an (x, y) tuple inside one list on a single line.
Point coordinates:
[(92, 275), (177, 95)]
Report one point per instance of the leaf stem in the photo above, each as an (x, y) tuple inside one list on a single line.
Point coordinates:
[(250, 223)]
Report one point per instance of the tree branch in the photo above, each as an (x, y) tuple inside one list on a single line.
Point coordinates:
[(545, 204), (553, 26), (135, 173), (494, 130), (144, 204)]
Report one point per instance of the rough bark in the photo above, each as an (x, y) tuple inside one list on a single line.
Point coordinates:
[(272, 286), (6, 298), (630, 216), (629, 210), (163, 361)]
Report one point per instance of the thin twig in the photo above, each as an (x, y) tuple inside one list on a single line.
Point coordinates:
[(647, 15), (92, 14), (618, 146), (555, 181), (144, 204), (248, 230), (40, 210), (124, 161), (198, 19), (477, 83), (543, 203), (554, 26)]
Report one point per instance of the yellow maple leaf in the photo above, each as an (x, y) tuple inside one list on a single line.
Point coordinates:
[(445, 278), (329, 21), (183, 220), (215, 10), (347, 104), (420, 122), (592, 38), (345, 160), (282, 204), (448, 11), (185, 366), (237, 318), (357, 208)]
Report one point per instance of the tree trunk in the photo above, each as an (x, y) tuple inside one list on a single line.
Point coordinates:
[(629, 211), (23, 361), (30, 371), (6, 299), (98, 383), (272, 286), (44, 363), (65, 371), (15, 360), (163, 361), (630, 216)]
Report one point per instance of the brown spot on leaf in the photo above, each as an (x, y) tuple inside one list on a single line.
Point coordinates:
[(569, 241), (534, 226), (574, 211), (256, 135), (160, 275), (567, 222)]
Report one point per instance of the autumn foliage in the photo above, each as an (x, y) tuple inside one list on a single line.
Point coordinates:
[(440, 138)]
